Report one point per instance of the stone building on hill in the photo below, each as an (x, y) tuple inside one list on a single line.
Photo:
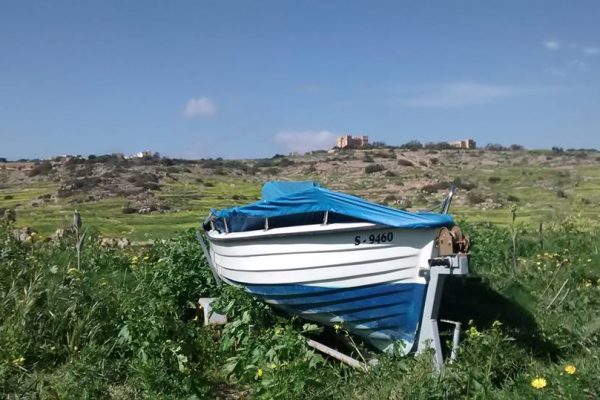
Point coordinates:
[(352, 142), (468, 144)]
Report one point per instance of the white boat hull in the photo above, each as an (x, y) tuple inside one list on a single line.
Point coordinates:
[(367, 278)]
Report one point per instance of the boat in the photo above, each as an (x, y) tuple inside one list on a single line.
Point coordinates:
[(339, 260)]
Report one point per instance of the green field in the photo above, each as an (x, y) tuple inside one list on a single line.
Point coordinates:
[(541, 189), (106, 216)]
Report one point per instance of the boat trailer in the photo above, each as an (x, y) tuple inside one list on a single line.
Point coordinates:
[(429, 334)]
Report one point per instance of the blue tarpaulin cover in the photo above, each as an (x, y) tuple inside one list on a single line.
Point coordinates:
[(274, 190), (299, 203)]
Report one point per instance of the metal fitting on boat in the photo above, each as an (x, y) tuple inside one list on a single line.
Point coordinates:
[(452, 241)]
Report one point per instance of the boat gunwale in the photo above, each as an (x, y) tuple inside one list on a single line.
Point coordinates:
[(306, 230)]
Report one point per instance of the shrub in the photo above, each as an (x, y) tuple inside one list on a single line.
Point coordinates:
[(412, 145), (439, 146), (389, 199), (561, 194), (465, 185), (475, 198), (43, 168), (146, 181), (390, 174), (494, 179), (435, 187), (512, 198), (285, 162), (370, 169), (128, 209), (115, 324), (405, 163), (272, 171), (494, 147)]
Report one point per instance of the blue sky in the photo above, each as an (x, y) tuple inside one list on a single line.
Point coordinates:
[(251, 79)]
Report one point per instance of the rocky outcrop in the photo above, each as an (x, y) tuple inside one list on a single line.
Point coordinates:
[(25, 235), (115, 242)]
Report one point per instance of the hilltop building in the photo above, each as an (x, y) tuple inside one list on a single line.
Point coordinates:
[(352, 142), (468, 144), (144, 154)]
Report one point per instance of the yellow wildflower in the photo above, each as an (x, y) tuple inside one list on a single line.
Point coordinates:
[(539, 263), (19, 361), (588, 283), (259, 374), (337, 328), (146, 258), (539, 383), (273, 366), (570, 369), (278, 331), (473, 332)]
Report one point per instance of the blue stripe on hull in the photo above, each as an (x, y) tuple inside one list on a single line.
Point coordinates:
[(380, 313)]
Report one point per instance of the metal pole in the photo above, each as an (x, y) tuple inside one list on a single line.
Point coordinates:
[(337, 355), (448, 200), (455, 337)]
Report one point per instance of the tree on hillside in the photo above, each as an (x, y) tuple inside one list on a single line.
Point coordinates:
[(438, 146), (412, 145), (494, 147)]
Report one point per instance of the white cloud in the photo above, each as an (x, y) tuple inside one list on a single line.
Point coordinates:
[(459, 94), (199, 107), (551, 44), (578, 65), (303, 141), (591, 51)]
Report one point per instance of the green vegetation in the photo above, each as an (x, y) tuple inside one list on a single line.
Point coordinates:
[(110, 192), (125, 325), (190, 203)]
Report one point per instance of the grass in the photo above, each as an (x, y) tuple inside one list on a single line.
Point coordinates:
[(193, 201), (125, 326)]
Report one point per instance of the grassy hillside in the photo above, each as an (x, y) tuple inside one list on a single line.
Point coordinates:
[(111, 193)]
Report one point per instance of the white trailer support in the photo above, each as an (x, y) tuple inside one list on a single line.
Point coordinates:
[(429, 334)]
